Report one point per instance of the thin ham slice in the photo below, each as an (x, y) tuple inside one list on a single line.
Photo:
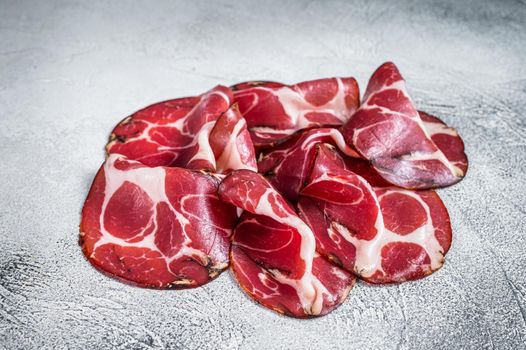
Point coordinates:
[(444, 137), (274, 255), (156, 226), (193, 133), (388, 131), (383, 235), (275, 111)]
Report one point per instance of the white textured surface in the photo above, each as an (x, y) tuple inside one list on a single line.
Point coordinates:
[(69, 71)]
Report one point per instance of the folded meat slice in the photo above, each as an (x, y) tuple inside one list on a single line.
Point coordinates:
[(273, 254), (190, 132), (231, 143), (288, 164), (388, 131), (275, 111), (444, 137), (161, 227), (383, 235)]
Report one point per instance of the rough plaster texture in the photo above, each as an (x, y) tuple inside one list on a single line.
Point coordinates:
[(70, 70)]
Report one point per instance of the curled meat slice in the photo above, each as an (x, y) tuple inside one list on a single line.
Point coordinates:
[(275, 111), (201, 133), (274, 255), (288, 164), (231, 143)]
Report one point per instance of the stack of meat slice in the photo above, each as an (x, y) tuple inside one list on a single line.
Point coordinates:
[(339, 191), (153, 216)]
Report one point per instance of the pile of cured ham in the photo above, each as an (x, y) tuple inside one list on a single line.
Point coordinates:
[(300, 189)]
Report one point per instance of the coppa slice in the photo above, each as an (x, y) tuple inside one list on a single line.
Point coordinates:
[(335, 196), (288, 164), (172, 133), (156, 226), (273, 253), (388, 131), (383, 235), (275, 111), (444, 137)]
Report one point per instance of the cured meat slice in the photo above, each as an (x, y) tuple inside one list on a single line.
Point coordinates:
[(172, 133), (162, 227), (275, 111), (446, 139), (383, 235), (273, 254), (388, 131), (335, 196), (288, 164)]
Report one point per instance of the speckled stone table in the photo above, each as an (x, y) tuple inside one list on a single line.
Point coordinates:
[(70, 70)]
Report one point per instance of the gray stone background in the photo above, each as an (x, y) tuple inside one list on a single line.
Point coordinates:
[(70, 70)]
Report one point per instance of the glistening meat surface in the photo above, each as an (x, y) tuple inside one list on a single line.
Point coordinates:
[(274, 255), (387, 130), (156, 226)]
